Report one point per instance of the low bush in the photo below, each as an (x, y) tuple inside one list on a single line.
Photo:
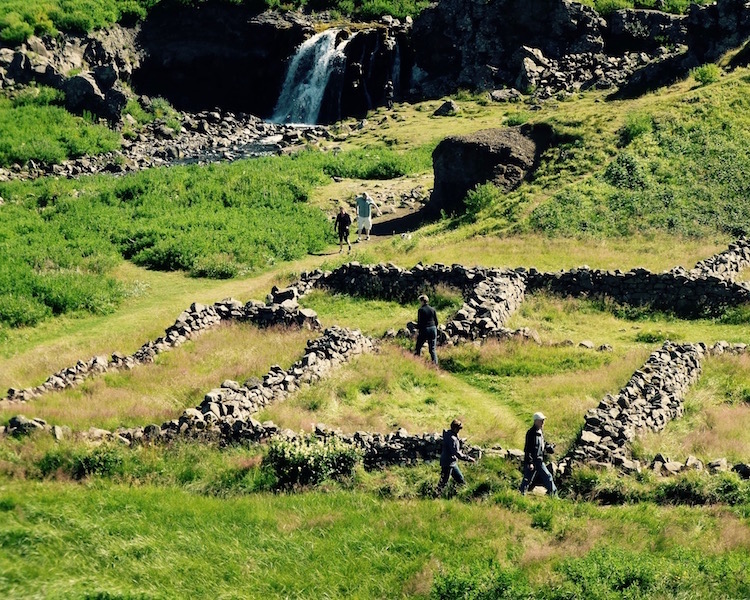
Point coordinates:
[(626, 172), (636, 125), (706, 74), (76, 462), (310, 461), (480, 581), (480, 199)]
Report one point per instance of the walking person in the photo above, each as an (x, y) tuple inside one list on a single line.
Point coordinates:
[(534, 449), (450, 455), (388, 93), (427, 324), (342, 224), (365, 204)]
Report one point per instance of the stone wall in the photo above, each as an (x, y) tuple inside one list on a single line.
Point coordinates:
[(686, 293), (190, 323), (652, 398), (727, 264), (491, 296)]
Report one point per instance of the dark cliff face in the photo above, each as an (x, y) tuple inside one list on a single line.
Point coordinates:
[(217, 56), (474, 43)]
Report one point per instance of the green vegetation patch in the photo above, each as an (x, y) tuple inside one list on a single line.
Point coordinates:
[(20, 19), (35, 126), (682, 169), (603, 574), (63, 237)]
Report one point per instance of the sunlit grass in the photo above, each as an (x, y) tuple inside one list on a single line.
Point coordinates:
[(336, 544), (177, 380), (717, 413)]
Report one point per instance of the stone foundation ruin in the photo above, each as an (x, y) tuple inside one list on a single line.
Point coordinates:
[(648, 402)]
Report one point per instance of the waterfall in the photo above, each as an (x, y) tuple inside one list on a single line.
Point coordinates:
[(396, 71), (307, 77)]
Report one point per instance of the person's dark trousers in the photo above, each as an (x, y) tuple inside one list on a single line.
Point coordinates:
[(429, 335), (451, 471), (540, 475)]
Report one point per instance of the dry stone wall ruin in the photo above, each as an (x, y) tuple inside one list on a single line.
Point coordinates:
[(652, 398)]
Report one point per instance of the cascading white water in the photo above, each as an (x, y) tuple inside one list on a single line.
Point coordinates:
[(307, 77)]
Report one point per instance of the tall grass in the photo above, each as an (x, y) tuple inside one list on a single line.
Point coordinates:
[(59, 538), (177, 380)]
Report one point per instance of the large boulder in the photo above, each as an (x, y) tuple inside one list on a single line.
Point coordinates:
[(475, 43), (504, 157), (83, 93)]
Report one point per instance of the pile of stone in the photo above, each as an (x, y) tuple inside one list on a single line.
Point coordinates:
[(727, 264), (195, 320), (488, 307), (686, 293), (546, 77), (652, 398)]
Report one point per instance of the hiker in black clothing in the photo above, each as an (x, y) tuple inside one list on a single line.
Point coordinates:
[(534, 449), (427, 323), (342, 224), (388, 92), (450, 455)]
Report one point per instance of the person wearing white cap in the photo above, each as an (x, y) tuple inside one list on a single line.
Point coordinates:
[(534, 468)]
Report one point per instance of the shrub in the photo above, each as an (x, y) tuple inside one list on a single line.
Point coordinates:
[(483, 580), (215, 266), (705, 74), (481, 198), (636, 125), (22, 311), (14, 29), (104, 461), (626, 172), (310, 461)]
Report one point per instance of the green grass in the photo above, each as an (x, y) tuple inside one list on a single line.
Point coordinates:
[(640, 188), (605, 7), (716, 413), (144, 526), (63, 237), (35, 126)]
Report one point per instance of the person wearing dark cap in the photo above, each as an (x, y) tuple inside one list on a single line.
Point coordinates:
[(534, 449), (427, 323), (450, 455)]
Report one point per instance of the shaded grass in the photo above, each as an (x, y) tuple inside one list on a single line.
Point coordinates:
[(177, 380)]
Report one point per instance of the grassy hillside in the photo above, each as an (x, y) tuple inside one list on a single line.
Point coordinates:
[(654, 182)]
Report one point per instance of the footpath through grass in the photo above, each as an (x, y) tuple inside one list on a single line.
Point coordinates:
[(62, 238)]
